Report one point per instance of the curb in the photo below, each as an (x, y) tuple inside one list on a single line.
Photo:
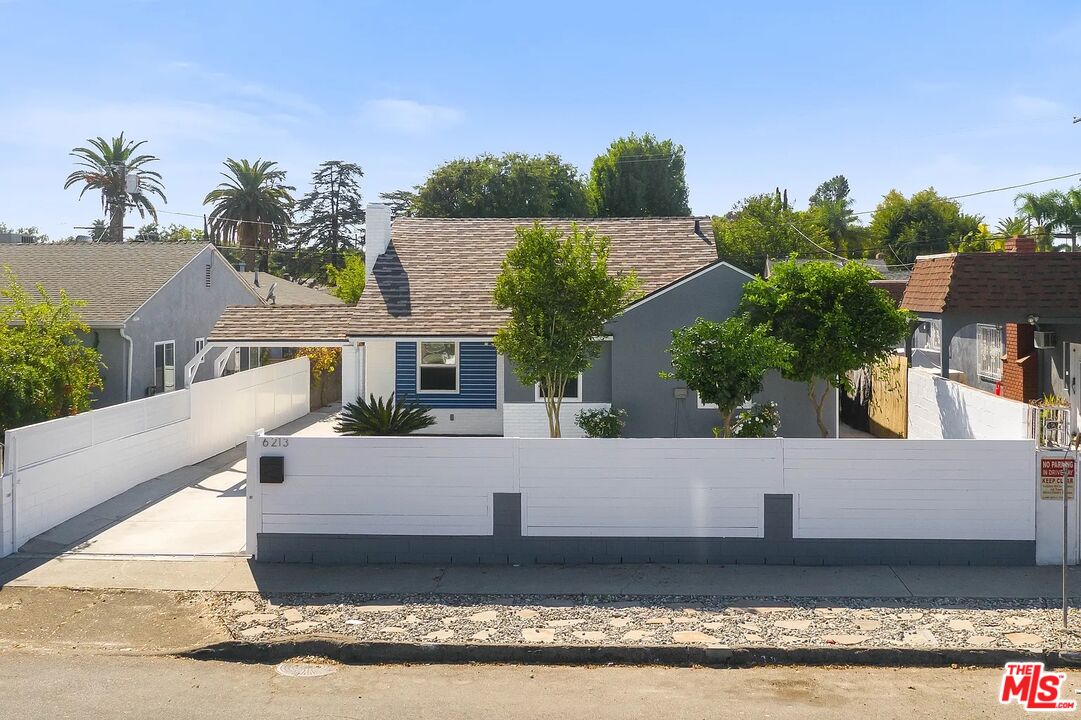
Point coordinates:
[(351, 652)]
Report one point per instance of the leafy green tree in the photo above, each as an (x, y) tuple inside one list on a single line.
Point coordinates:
[(560, 295), (981, 240), (639, 177), (347, 282), (253, 199), (332, 220), (403, 203), (924, 224), (46, 372), (832, 316), (1050, 211), (510, 185), (725, 362), (831, 209), (104, 166), (765, 226)]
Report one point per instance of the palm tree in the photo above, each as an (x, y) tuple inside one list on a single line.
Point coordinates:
[(1050, 211), (251, 203), (106, 166)]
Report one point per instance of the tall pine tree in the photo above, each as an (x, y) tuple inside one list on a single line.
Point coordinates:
[(331, 222)]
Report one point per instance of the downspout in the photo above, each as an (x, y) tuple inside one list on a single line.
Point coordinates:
[(127, 370)]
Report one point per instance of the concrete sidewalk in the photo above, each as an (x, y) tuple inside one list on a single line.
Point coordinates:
[(240, 575)]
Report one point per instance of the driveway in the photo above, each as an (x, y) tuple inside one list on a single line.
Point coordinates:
[(198, 510)]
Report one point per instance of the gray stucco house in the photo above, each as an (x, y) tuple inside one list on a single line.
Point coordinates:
[(424, 325), (150, 306)]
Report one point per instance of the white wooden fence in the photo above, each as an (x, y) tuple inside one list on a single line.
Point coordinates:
[(892, 489), (55, 470)]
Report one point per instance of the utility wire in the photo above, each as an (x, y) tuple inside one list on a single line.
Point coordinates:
[(998, 189)]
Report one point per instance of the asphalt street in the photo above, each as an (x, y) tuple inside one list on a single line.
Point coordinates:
[(53, 686)]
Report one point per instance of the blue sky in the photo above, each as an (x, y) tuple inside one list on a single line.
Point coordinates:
[(959, 95)]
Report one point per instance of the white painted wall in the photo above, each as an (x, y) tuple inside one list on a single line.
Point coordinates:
[(684, 487), (379, 368), (912, 489), (55, 470), (943, 409), (352, 373), (529, 420)]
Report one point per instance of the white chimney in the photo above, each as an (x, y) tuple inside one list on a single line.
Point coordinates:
[(376, 234)]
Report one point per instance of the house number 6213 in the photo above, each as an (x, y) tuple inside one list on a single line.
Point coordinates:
[(275, 442)]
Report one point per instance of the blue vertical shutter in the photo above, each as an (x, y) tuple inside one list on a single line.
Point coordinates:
[(476, 377)]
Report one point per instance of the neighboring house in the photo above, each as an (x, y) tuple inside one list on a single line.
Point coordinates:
[(1008, 323), (424, 326), (150, 306), (279, 291)]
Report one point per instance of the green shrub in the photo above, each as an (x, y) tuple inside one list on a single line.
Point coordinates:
[(602, 422), (383, 417)]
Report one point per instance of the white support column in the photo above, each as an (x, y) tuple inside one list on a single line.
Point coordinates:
[(223, 359), (254, 515), (352, 372), (193, 367)]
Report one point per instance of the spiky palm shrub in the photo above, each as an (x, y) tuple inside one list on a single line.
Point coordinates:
[(383, 417)]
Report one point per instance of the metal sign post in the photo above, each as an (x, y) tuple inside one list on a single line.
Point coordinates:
[(1065, 542)]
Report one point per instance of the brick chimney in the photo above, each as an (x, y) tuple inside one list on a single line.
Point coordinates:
[(1020, 244), (1020, 364)]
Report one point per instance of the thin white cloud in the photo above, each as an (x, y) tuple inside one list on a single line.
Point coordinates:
[(1033, 106), (409, 116), (226, 86)]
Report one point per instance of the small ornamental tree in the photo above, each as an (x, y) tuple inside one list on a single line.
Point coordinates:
[(322, 362), (46, 371), (725, 362), (559, 294), (347, 282), (832, 316)]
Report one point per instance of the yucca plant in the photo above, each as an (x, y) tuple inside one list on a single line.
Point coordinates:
[(383, 417)]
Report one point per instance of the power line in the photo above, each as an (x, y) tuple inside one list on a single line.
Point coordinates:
[(828, 252), (994, 190)]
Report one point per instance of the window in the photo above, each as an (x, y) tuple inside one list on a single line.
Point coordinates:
[(200, 343), (934, 336), (747, 405), (437, 367), (164, 366), (247, 358), (572, 390), (989, 351)]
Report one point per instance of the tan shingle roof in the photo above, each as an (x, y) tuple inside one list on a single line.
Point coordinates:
[(288, 292), (113, 278), (1036, 283), (438, 275), (284, 323)]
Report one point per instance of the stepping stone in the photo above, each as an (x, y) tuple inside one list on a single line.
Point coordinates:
[(868, 625), (247, 605), (753, 627), (439, 635), (539, 635), (293, 615), (845, 639), (482, 635), (527, 614), (354, 622), (620, 622), (723, 625), (1019, 621), (1024, 639), (911, 615), (692, 636), (485, 616), (981, 640), (961, 626), (564, 623), (254, 632), (921, 638), (302, 626), (752, 638), (658, 621), (635, 635), (793, 624), (589, 635), (326, 617), (411, 620), (257, 618), (393, 630)]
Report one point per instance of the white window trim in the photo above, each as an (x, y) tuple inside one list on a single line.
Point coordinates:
[(200, 343), (457, 367), (154, 365), (537, 397), (713, 406), (982, 371)]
